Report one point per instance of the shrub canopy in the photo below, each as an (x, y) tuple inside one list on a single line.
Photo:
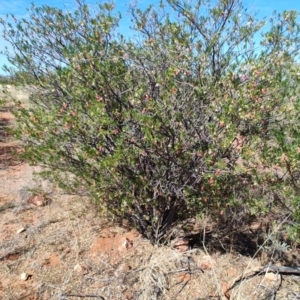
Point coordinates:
[(192, 112)]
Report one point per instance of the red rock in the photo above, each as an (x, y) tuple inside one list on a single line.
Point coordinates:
[(181, 244)]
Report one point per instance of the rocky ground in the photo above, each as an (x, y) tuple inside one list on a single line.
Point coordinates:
[(58, 246)]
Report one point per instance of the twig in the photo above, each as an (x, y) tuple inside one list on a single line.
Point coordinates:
[(83, 296), (284, 270), (275, 269)]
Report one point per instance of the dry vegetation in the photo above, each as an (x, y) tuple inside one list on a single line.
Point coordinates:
[(57, 246)]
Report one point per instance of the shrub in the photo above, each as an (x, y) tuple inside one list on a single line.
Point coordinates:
[(163, 125), (4, 79)]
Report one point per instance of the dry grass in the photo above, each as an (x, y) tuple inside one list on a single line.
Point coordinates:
[(64, 250)]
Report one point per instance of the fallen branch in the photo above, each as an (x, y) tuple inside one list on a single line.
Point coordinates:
[(282, 270)]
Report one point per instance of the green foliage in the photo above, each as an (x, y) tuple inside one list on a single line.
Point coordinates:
[(4, 80), (188, 115), (2, 103)]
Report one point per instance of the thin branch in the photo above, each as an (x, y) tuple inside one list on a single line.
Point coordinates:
[(83, 296)]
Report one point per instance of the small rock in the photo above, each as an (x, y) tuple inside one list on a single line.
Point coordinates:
[(272, 280), (126, 244), (81, 269), (24, 276), (255, 226), (38, 200), (182, 244), (22, 229)]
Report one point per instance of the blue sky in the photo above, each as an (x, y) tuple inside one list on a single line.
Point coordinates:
[(18, 8)]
